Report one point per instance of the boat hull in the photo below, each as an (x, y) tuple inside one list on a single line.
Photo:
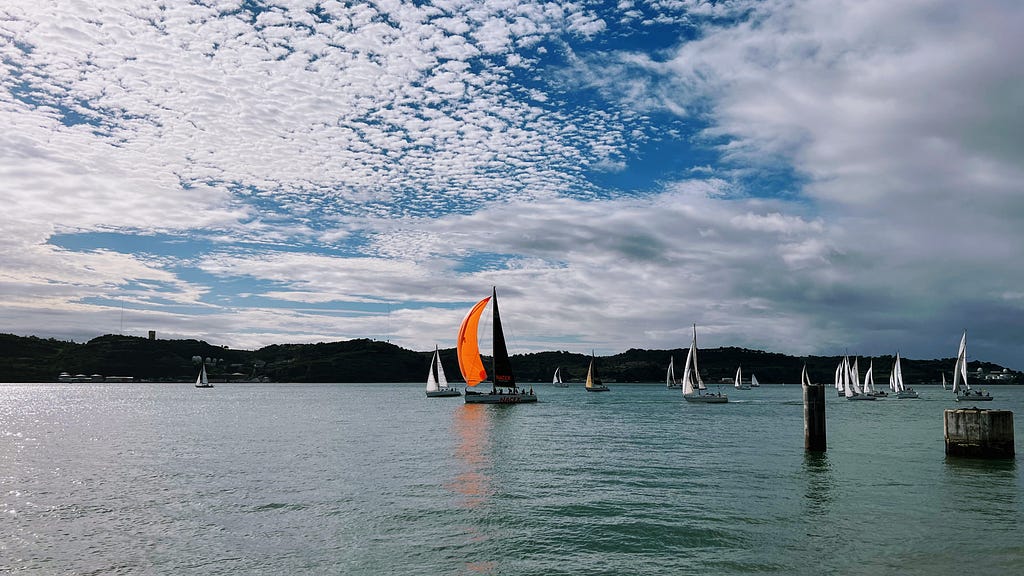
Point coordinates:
[(973, 397), (907, 394), (861, 397), (444, 393), (597, 389), (204, 385), (508, 398), (744, 387), (706, 398)]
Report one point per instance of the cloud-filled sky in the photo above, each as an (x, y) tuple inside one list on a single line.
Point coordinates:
[(799, 176)]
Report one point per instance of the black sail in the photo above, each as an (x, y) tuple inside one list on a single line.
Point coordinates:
[(502, 368)]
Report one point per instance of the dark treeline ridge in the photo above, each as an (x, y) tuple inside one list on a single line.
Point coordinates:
[(32, 359)]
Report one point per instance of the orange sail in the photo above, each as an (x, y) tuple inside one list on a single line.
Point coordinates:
[(470, 364)]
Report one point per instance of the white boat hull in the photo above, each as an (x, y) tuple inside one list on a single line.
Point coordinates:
[(443, 393), (744, 387), (505, 398), (907, 394), (706, 398)]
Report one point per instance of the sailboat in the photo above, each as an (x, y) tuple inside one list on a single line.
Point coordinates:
[(738, 382), (851, 388), (670, 375), (593, 382), (805, 380), (202, 381), (869, 383), (961, 388), (557, 378), (945, 386), (753, 381), (896, 381), (503, 385), (437, 384), (693, 386)]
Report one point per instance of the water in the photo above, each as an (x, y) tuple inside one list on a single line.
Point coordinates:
[(376, 479)]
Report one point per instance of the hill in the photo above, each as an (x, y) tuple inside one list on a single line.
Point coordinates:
[(31, 359)]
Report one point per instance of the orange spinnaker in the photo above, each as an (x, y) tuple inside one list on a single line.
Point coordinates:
[(470, 364)]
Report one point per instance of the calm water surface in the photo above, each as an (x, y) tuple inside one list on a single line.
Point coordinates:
[(376, 479)]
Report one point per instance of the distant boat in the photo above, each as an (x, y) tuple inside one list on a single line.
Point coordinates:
[(805, 380), (503, 385), (593, 382), (437, 384), (851, 388), (869, 383), (202, 381), (557, 378), (670, 375), (753, 381), (963, 390), (693, 386), (945, 386), (896, 381), (738, 382)]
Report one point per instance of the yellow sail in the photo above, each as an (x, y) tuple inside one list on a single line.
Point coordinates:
[(470, 364), (590, 375)]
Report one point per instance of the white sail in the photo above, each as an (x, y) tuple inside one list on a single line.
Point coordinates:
[(897, 375), (855, 378), (869, 378), (202, 379), (847, 384), (840, 377), (753, 381), (432, 381), (960, 370), (945, 386), (670, 376), (557, 378), (738, 381), (688, 380), (805, 380), (442, 381)]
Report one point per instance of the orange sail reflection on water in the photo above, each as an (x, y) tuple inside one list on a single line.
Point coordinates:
[(472, 429)]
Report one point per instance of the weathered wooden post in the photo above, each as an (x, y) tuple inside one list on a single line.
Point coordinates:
[(979, 433), (814, 418)]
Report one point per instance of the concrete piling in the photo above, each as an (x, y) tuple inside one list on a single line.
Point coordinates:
[(978, 433), (814, 418)]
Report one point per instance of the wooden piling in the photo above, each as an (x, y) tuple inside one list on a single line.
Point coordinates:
[(978, 433), (814, 418)]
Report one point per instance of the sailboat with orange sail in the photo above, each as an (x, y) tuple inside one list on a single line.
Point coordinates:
[(503, 383)]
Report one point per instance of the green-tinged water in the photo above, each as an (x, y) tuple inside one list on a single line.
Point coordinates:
[(377, 479)]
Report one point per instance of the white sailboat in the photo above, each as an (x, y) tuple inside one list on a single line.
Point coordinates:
[(504, 389), (869, 383), (851, 386), (593, 382), (437, 384), (670, 375), (556, 380), (753, 381), (805, 380), (896, 381), (945, 386), (738, 382), (961, 388), (202, 381), (693, 386)]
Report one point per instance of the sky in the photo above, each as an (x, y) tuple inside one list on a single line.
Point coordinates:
[(810, 177)]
